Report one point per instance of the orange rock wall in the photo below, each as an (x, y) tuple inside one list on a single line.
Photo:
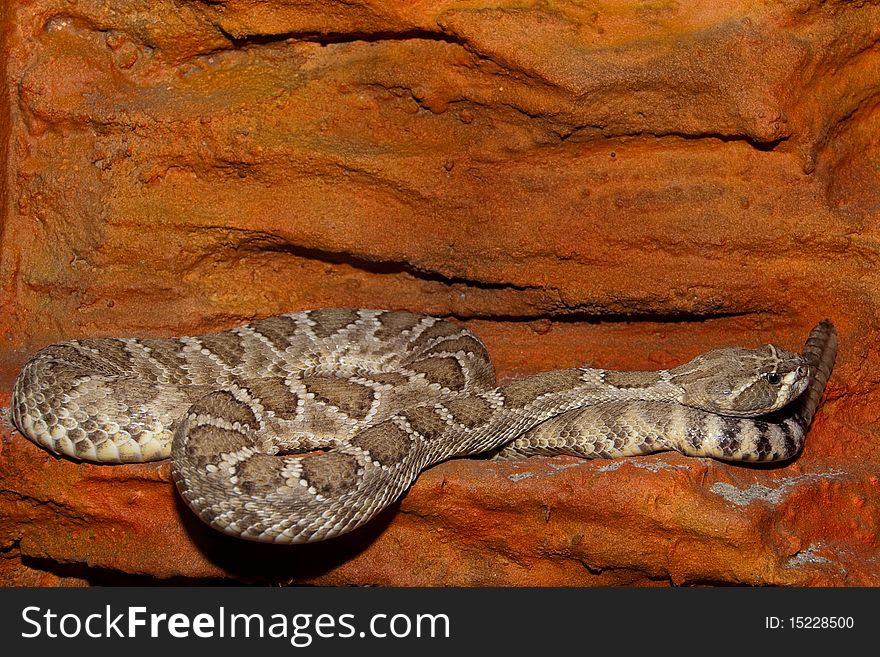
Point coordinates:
[(622, 184)]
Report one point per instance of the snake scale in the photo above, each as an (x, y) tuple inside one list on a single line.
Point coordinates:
[(373, 397)]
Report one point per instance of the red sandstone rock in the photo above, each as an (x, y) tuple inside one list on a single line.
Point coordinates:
[(623, 188)]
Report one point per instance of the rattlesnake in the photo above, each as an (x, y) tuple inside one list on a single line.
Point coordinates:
[(378, 396)]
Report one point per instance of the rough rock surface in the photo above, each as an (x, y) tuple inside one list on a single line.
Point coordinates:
[(621, 184)]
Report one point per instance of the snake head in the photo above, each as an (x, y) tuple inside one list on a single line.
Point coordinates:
[(742, 382)]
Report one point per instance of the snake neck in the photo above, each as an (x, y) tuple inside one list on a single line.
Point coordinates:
[(523, 403), (558, 389)]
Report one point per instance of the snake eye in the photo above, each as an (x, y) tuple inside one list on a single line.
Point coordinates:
[(774, 378)]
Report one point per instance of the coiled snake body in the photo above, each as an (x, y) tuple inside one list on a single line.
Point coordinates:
[(379, 396)]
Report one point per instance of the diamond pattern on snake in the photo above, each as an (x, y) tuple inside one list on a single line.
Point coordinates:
[(372, 398)]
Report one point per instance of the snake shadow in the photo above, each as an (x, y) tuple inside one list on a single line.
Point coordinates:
[(252, 562)]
